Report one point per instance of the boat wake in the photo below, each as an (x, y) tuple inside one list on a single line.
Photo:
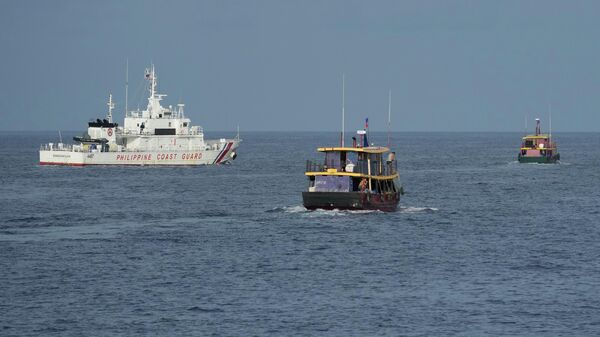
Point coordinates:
[(411, 209), (334, 212), (288, 209)]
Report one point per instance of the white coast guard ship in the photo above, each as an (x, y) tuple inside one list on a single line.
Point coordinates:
[(155, 136)]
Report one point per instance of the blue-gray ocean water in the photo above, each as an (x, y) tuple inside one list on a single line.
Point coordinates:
[(481, 246)]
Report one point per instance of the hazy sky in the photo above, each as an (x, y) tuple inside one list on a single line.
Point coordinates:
[(277, 65)]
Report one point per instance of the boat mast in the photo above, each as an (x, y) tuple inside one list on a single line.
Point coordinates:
[(389, 116), (343, 106), (550, 123)]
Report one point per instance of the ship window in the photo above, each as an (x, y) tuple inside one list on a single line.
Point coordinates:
[(169, 124), (185, 124), (159, 115)]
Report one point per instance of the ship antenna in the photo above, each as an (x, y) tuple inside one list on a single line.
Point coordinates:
[(389, 116), (153, 79), (126, 85), (59, 136), (111, 106), (343, 106)]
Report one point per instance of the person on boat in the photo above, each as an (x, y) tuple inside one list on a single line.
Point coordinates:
[(362, 186), (390, 162)]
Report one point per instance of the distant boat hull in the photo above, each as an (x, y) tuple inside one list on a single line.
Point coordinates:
[(351, 201), (539, 159)]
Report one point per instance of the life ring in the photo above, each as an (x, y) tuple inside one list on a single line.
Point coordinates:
[(109, 132)]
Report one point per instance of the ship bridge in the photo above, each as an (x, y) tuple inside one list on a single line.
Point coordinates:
[(370, 162)]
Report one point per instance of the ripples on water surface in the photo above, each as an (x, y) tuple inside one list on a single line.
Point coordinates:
[(480, 246)]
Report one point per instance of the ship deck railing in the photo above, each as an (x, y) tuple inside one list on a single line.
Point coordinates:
[(191, 132), (57, 147), (360, 167)]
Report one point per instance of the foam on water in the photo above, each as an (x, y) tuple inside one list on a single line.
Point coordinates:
[(412, 209)]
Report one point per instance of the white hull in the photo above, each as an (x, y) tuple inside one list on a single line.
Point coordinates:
[(140, 158)]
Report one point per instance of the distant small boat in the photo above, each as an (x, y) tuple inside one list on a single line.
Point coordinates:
[(361, 177), (538, 148)]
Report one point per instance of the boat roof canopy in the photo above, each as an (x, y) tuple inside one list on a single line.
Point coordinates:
[(544, 136), (370, 149)]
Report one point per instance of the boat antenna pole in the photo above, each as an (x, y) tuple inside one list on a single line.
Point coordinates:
[(550, 123), (59, 136), (389, 116), (126, 85), (343, 106)]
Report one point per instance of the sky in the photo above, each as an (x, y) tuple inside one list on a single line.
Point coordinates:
[(278, 65)]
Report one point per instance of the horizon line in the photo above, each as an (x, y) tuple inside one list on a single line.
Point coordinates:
[(337, 131)]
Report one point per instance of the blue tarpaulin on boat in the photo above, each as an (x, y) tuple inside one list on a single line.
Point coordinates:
[(332, 184)]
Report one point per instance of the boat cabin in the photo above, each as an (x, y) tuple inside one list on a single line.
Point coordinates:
[(354, 169)]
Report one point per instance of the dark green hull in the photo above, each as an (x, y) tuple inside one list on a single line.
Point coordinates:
[(539, 160)]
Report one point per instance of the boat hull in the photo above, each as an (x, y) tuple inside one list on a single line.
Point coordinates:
[(140, 158), (539, 160), (351, 201)]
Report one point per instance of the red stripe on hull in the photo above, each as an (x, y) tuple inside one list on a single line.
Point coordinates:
[(61, 164), (224, 153)]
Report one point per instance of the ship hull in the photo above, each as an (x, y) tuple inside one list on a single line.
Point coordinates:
[(140, 158), (539, 160), (351, 201)]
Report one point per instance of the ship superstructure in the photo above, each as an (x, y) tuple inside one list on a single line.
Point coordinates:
[(157, 135)]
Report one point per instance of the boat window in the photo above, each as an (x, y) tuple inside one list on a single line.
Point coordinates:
[(529, 143)]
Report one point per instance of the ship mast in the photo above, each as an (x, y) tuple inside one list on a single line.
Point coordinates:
[(153, 85), (126, 85), (154, 107), (111, 106)]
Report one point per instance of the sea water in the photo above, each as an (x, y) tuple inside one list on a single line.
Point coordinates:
[(481, 245)]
